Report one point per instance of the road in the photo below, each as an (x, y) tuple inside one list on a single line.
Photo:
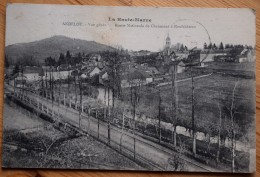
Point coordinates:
[(145, 149), (182, 80)]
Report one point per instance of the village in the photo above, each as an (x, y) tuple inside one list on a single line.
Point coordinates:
[(158, 96), (149, 67)]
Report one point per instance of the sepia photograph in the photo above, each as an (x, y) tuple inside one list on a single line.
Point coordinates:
[(129, 88)]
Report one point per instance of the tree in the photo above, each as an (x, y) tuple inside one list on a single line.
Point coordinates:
[(79, 58), (181, 48), (221, 47), (210, 46), (113, 82), (206, 124), (229, 125), (176, 161), (135, 89), (6, 62), (68, 55), (214, 47), (227, 46), (106, 85), (51, 85), (27, 60), (61, 59), (174, 108), (232, 117), (50, 61), (42, 74), (114, 70), (68, 58), (16, 69), (75, 74), (219, 132), (205, 46), (81, 103), (159, 115)]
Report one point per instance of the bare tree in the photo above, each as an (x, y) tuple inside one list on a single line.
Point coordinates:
[(135, 86), (159, 116), (81, 103), (109, 118), (219, 132), (113, 61), (230, 125), (174, 101), (75, 75), (176, 162), (232, 117)]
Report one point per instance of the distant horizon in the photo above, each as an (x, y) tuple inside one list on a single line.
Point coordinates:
[(116, 46)]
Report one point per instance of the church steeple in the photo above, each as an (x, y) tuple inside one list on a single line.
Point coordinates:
[(167, 45), (168, 41)]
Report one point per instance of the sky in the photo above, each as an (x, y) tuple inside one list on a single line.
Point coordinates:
[(28, 23)]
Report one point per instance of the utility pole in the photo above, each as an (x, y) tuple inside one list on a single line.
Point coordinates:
[(80, 94), (108, 125), (174, 103), (192, 115), (159, 116)]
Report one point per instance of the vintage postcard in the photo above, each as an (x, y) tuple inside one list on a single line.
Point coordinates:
[(129, 88)]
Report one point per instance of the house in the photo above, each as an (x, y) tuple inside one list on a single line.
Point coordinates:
[(18, 80), (95, 57), (62, 72), (166, 68), (193, 56), (61, 67), (31, 73), (56, 75), (246, 55), (182, 55), (103, 76), (100, 65), (181, 67), (83, 76), (135, 77), (91, 71), (150, 70)]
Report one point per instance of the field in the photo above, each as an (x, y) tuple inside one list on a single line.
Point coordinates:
[(210, 93), (246, 66)]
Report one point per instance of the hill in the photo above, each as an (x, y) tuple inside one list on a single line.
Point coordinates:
[(53, 46)]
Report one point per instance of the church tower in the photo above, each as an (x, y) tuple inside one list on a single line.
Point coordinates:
[(167, 46)]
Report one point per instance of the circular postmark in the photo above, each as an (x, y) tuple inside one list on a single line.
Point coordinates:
[(192, 34)]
